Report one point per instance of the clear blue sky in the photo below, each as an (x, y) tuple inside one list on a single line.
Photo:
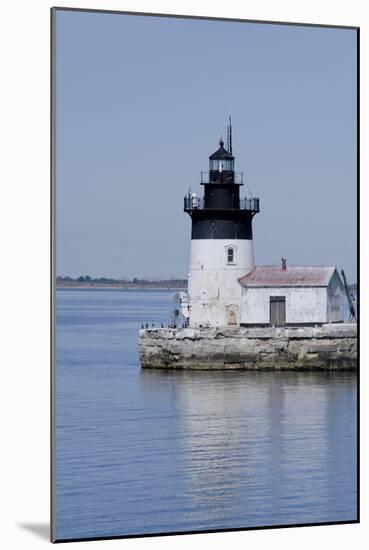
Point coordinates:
[(141, 103)]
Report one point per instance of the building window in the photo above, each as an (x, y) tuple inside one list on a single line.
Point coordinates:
[(231, 254)]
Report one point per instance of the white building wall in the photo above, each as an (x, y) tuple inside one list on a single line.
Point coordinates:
[(214, 293), (303, 305)]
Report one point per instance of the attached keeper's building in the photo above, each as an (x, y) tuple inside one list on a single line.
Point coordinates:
[(280, 296)]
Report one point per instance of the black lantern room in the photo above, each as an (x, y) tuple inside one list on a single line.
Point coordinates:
[(221, 213), (221, 165)]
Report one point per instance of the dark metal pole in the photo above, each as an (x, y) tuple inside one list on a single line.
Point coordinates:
[(349, 299)]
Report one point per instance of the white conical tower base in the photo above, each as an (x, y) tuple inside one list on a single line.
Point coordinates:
[(214, 293)]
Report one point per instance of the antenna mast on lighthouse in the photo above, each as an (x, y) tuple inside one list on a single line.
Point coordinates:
[(229, 135)]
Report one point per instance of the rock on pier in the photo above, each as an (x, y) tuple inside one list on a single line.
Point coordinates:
[(326, 347)]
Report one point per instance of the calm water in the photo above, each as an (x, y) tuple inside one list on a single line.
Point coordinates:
[(145, 451)]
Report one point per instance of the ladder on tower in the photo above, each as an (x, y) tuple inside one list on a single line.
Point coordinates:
[(352, 317)]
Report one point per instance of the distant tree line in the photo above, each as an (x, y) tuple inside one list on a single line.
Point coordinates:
[(127, 282), (86, 279)]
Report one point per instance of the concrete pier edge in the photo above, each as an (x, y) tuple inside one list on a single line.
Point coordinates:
[(326, 347)]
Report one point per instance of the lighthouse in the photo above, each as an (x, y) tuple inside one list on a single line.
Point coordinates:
[(226, 289), (221, 242)]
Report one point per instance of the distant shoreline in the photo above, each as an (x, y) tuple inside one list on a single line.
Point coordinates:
[(116, 286), (152, 285)]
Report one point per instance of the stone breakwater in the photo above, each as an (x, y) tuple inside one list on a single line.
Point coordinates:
[(327, 347)]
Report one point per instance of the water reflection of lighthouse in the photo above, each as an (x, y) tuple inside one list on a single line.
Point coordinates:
[(254, 444)]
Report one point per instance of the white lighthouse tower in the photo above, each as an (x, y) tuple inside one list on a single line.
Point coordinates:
[(221, 243)]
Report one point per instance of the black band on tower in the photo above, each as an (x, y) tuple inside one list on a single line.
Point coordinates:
[(221, 229)]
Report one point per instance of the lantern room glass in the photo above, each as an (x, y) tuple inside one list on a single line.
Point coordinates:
[(221, 165)]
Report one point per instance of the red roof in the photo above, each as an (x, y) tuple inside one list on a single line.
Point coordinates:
[(291, 276)]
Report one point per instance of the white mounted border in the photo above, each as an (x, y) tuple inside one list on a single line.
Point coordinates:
[(25, 306)]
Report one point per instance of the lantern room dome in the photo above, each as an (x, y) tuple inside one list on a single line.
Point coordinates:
[(221, 153)]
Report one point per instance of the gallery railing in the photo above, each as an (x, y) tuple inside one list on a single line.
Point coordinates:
[(193, 202)]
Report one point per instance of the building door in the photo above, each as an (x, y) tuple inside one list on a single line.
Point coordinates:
[(232, 315), (278, 311)]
